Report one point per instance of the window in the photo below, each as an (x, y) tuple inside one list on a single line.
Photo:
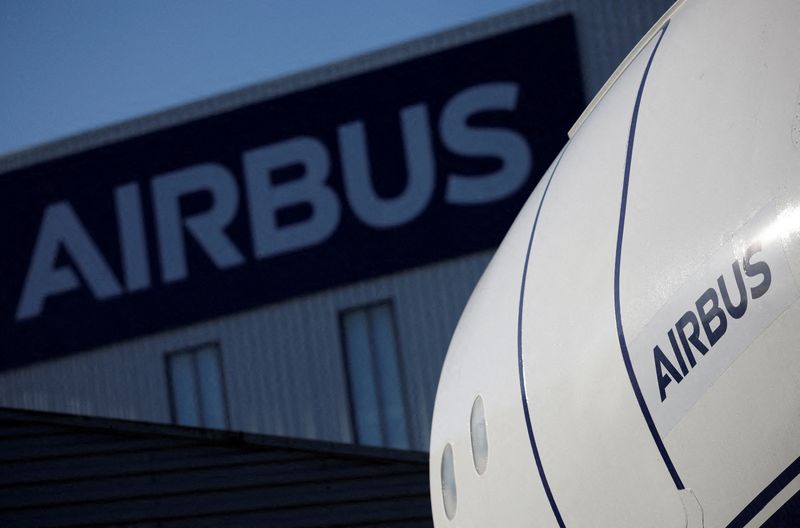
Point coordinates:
[(376, 389), (196, 387)]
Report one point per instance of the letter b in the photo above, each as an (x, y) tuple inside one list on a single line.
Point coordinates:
[(710, 295), (266, 198)]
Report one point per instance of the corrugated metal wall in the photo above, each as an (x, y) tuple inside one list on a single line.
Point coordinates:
[(283, 364)]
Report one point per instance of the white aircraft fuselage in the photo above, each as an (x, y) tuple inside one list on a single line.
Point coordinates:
[(631, 356)]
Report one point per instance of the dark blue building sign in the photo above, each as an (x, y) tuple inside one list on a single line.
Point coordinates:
[(405, 165)]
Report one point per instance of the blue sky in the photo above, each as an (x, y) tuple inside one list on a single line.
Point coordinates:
[(70, 66)]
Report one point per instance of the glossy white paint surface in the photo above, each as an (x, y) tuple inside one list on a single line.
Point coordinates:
[(715, 167)]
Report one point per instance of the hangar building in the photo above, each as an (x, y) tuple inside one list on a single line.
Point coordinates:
[(292, 258)]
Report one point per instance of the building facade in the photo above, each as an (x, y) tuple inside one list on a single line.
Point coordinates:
[(292, 259)]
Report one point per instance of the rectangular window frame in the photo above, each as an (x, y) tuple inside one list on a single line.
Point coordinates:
[(192, 350), (404, 395)]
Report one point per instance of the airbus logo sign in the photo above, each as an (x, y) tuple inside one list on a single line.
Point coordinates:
[(62, 229), (367, 175)]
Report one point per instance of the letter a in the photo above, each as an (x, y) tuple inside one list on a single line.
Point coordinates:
[(62, 228), (663, 379)]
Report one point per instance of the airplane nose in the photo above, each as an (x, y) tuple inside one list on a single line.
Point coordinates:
[(559, 403)]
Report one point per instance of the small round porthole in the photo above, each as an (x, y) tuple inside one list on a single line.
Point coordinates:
[(477, 434), (449, 494)]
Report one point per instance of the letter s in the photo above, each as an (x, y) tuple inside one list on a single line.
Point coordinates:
[(508, 145), (757, 268)]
